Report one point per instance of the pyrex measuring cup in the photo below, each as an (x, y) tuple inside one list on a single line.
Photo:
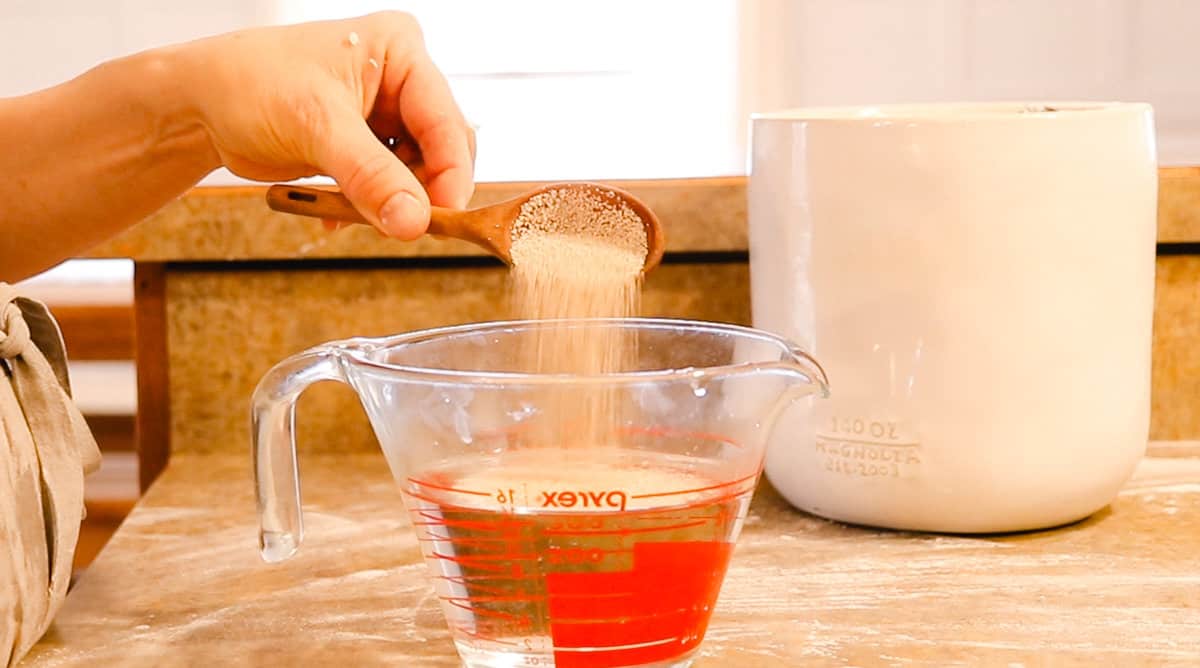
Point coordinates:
[(552, 537)]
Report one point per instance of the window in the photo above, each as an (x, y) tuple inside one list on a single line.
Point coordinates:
[(557, 90), (564, 90)]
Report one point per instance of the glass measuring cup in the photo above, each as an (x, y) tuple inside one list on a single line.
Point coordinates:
[(566, 520)]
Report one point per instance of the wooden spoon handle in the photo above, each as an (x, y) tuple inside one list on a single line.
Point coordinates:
[(313, 202), (333, 205)]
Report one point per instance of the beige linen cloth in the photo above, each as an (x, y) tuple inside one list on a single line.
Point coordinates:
[(45, 450)]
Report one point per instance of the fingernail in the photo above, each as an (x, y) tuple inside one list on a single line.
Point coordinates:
[(401, 214)]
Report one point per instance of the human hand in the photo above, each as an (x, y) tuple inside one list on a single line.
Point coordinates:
[(358, 100)]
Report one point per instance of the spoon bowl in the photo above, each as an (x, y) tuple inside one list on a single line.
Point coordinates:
[(489, 227)]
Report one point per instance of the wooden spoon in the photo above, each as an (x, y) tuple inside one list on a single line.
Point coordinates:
[(489, 227)]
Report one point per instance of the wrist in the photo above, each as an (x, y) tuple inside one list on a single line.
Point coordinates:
[(170, 99)]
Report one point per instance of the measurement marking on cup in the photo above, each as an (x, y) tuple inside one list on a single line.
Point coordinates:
[(441, 505), (427, 529), (658, 518), (596, 595), (494, 599), (479, 525), (505, 528), (619, 648), (485, 588), (473, 580), (483, 563), (446, 489), (485, 612), (464, 541), (440, 516), (622, 532), (696, 490), (476, 558), (467, 632), (620, 619)]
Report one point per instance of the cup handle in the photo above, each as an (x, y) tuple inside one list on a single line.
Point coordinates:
[(273, 421)]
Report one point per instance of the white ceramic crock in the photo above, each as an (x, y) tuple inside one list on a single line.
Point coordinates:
[(978, 282)]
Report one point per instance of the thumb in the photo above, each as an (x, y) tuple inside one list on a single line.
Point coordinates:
[(379, 185)]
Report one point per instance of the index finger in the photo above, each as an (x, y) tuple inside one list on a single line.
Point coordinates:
[(433, 119)]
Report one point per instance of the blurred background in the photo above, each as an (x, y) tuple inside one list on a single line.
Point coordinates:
[(622, 89), (662, 88)]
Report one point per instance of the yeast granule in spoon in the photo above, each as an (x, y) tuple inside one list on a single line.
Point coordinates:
[(569, 230)]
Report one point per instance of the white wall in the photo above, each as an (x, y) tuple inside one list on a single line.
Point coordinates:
[(44, 42), (557, 90), (828, 52), (641, 88)]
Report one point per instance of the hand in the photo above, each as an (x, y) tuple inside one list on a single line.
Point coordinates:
[(358, 100)]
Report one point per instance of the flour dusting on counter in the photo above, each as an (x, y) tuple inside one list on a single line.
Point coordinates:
[(1116, 589)]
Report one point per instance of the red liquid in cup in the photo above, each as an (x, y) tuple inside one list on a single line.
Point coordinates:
[(577, 560)]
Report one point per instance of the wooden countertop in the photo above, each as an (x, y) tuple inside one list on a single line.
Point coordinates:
[(230, 223), (181, 583), (226, 223)]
